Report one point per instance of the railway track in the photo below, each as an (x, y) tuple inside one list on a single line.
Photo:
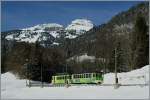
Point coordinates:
[(64, 85)]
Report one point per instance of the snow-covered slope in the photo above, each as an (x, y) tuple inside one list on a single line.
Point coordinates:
[(84, 57), (14, 88), (45, 32), (139, 76)]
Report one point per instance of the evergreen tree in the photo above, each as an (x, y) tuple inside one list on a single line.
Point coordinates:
[(140, 43), (120, 58)]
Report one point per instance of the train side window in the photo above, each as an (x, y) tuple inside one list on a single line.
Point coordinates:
[(89, 75), (93, 75), (86, 75)]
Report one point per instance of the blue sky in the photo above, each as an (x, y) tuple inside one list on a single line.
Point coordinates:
[(17, 15)]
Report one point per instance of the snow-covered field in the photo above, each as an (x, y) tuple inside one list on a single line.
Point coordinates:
[(13, 88)]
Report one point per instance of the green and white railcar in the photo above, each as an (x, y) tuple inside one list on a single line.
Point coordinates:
[(85, 78), (61, 79)]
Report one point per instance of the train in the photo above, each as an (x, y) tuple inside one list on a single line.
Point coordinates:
[(84, 78)]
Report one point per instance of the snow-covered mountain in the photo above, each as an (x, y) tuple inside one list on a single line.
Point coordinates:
[(80, 25), (51, 32)]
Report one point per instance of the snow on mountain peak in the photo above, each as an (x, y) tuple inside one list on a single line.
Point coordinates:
[(80, 24), (44, 26)]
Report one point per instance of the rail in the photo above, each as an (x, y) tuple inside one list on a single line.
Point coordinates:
[(63, 85)]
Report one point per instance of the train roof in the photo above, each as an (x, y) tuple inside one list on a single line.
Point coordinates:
[(64, 74), (61, 74), (86, 73)]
